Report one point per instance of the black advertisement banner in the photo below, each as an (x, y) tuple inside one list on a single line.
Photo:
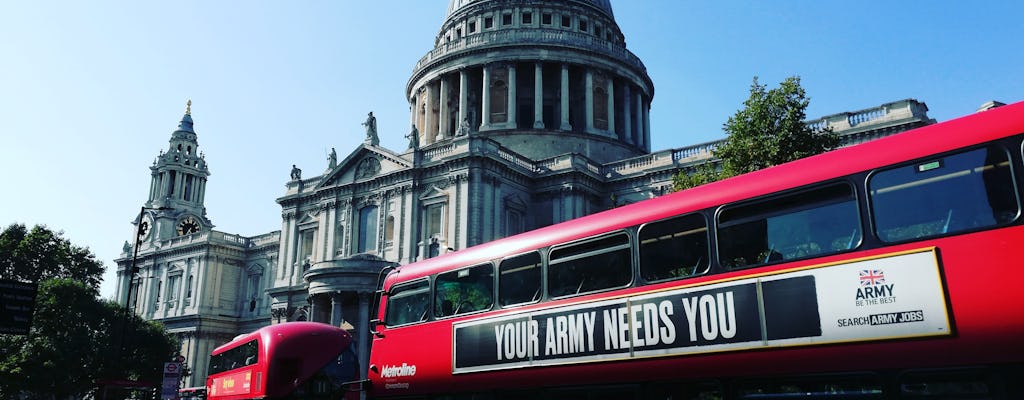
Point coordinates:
[(673, 322)]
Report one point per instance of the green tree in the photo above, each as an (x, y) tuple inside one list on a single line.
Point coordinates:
[(75, 338), (769, 130), (699, 175), (32, 256)]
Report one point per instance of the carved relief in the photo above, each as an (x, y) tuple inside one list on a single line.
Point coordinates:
[(368, 168)]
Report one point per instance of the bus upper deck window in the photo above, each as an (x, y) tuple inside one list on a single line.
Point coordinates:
[(590, 266), (674, 248), (408, 303), (797, 225), (956, 193), (519, 279), (464, 291)]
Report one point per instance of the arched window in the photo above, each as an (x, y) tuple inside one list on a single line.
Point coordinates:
[(389, 229), (367, 229), (254, 286)]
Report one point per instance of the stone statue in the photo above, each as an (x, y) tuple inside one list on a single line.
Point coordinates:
[(463, 127), (414, 138), (296, 173), (371, 129), (332, 159)]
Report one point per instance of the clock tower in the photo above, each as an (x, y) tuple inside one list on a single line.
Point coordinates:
[(177, 188)]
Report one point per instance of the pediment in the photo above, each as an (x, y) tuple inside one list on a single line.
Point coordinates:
[(365, 163), (514, 201), (434, 193), (255, 269), (307, 218)]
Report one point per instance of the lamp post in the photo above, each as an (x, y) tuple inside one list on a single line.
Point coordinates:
[(134, 257)]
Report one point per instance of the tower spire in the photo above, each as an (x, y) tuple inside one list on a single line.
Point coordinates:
[(188, 107)]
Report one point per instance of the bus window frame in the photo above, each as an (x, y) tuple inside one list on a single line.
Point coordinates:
[(1005, 145), (395, 289), (704, 264), (628, 246), (855, 196), (455, 313), (256, 342), (541, 292)]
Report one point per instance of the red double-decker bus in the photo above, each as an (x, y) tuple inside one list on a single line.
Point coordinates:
[(294, 360), (890, 269)]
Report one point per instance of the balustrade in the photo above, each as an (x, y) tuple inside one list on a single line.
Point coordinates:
[(532, 36)]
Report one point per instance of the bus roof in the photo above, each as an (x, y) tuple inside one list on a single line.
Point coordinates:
[(277, 332)]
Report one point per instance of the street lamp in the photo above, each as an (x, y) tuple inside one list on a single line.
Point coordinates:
[(135, 258)]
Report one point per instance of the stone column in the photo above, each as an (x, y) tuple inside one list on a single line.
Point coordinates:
[(412, 113), (511, 108), (638, 98), (611, 107), (330, 241), (627, 128), (538, 96), (428, 115), (565, 126), (588, 101), (463, 97), (362, 335), (647, 125), (442, 117), (312, 308), (485, 104), (336, 315), (199, 287)]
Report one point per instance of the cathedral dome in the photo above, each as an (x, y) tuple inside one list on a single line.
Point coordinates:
[(541, 77)]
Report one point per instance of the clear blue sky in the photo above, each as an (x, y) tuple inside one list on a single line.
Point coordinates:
[(91, 91)]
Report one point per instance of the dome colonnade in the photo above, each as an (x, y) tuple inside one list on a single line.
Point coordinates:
[(524, 70)]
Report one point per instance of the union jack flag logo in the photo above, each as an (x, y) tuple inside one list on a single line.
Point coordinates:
[(870, 277)]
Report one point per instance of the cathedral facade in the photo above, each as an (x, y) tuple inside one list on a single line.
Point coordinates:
[(524, 114)]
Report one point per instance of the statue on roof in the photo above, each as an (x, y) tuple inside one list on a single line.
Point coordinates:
[(296, 173), (332, 159), (414, 138), (463, 127), (371, 129)]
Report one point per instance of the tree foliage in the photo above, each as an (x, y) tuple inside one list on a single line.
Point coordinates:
[(76, 339), (699, 175), (769, 130), (39, 254)]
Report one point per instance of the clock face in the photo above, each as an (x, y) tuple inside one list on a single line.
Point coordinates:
[(188, 226), (144, 229)]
